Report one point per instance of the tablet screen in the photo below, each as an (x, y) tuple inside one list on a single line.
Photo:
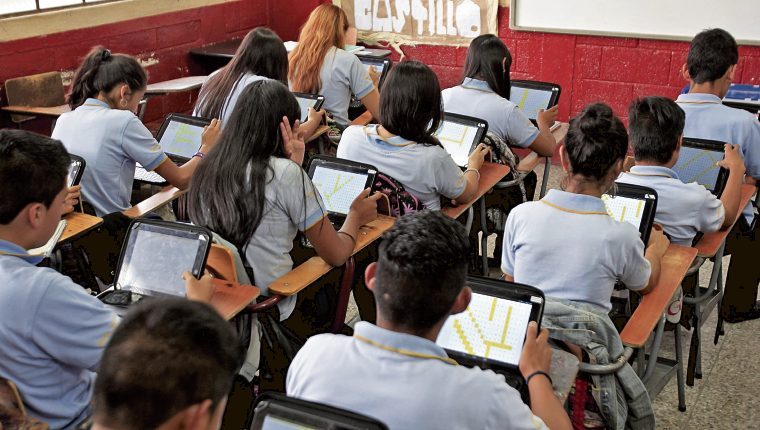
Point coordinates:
[(491, 327), (379, 67), (154, 261), (530, 100), (457, 139), (181, 139), (276, 423), (338, 188), (698, 165), (625, 209), (305, 104)]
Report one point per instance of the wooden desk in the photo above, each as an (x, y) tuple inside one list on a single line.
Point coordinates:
[(490, 174), (154, 202), (648, 314), (178, 85), (225, 49), (50, 112), (230, 298), (363, 119), (315, 267), (709, 244), (322, 129), (78, 224), (560, 132)]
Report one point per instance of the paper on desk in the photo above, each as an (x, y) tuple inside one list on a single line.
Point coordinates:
[(47, 249)]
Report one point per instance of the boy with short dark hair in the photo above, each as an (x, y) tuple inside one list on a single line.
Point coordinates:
[(395, 372), (710, 68), (169, 365)]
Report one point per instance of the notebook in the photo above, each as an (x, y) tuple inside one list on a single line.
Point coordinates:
[(306, 101), (274, 411), (154, 256), (491, 332), (698, 162), (76, 169), (532, 96), (339, 182), (382, 67), (180, 138), (634, 204), (460, 134)]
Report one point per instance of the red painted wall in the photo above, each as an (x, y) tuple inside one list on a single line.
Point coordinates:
[(163, 39)]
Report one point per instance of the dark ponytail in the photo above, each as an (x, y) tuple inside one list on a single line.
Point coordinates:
[(410, 103), (101, 71), (595, 141)]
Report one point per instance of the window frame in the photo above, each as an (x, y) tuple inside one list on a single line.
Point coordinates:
[(82, 3)]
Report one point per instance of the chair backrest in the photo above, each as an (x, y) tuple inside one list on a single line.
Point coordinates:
[(402, 202), (42, 90), (277, 411), (12, 412), (225, 260)]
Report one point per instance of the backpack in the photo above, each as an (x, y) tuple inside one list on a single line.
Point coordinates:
[(501, 153), (401, 201)]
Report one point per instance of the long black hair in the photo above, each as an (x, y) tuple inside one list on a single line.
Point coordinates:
[(595, 141), (410, 103), (484, 61), (261, 53), (227, 191), (101, 71)]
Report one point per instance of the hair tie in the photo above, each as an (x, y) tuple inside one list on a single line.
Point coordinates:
[(105, 55)]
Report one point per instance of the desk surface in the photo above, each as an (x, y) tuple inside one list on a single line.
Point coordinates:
[(675, 263), (560, 132), (53, 111), (225, 49), (230, 298), (78, 224), (176, 85), (322, 129), (154, 202), (490, 174), (315, 267), (710, 242)]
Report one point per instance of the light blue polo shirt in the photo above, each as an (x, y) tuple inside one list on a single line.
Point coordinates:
[(110, 141), (708, 118), (232, 98), (505, 119), (426, 171), (342, 74), (52, 334), (567, 246), (682, 209), (405, 381)]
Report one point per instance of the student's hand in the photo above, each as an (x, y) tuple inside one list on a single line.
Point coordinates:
[(536, 354), (316, 115), (374, 75), (199, 290), (734, 161), (478, 156), (292, 139), (364, 207), (72, 199), (210, 135), (658, 242), (546, 118)]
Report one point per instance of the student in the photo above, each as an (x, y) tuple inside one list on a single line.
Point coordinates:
[(51, 331), (710, 68), (252, 191), (403, 145), (319, 65), (261, 55), (169, 365), (484, 94), (566, 244), (394, 371), (102, 128)]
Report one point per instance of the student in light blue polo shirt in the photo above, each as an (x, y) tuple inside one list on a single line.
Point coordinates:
[(566, 244), (395, 372), (319, 65), (403, 146), (710, 68), (484, 94), (103, 129)]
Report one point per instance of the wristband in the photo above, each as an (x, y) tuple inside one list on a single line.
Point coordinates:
[(538, 372), (199, 154), (353, 239), (470, 169)]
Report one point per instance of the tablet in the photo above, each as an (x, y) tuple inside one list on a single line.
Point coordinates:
[(306, 101), (460, 134), (339, 182), (275, 411), (76, 169), (381, 65), (490, 333), (633, 204), (532, 96), (181, 136), (698, 162)]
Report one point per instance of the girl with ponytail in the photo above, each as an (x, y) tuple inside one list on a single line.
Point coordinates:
[(403, 145), (103, 129), (566, 244)]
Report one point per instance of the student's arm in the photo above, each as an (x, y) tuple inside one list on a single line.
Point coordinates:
[(72, 199), (314, 119), (372, 102), (537, 356), (180, 176), (472, 177), (731, 196), (544, 144), (658, 245), (335, 247)]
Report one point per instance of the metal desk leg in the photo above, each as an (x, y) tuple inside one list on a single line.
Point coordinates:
[(470, 217), (679, 370), (545, 181), (484, 236), (656, 343)]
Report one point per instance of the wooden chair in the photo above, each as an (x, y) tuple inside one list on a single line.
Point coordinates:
[(42, 90)]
